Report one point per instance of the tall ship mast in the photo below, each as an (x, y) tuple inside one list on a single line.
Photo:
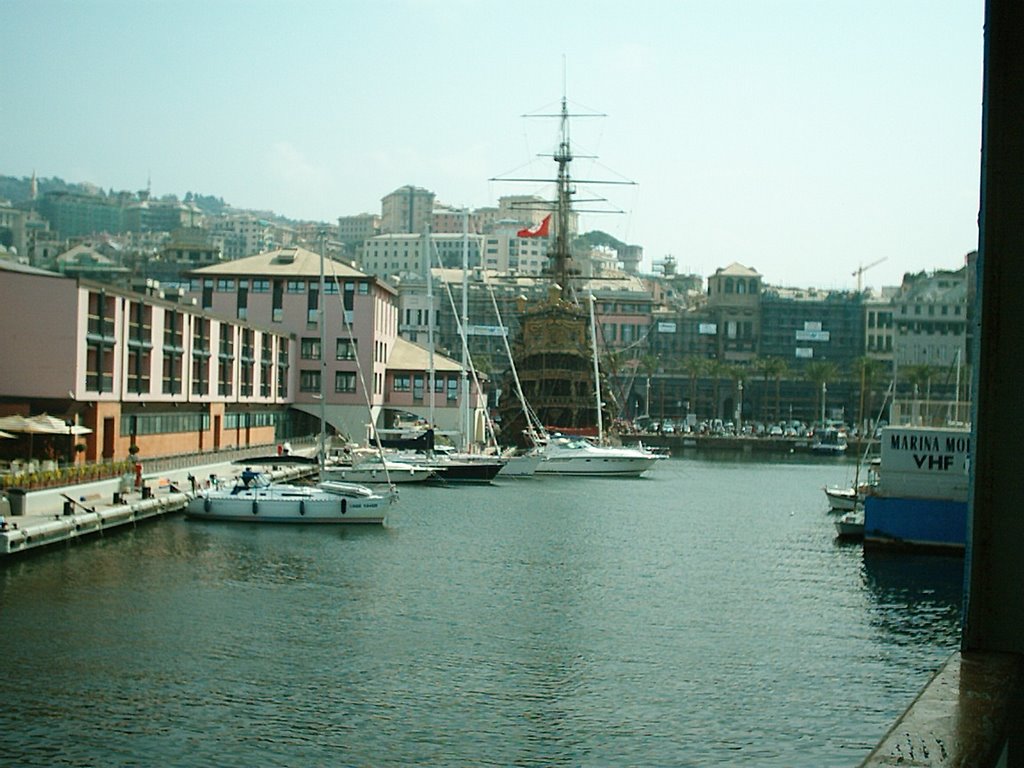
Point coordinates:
[(554, 352)]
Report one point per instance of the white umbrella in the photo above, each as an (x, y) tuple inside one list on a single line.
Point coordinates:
[(59, 426)]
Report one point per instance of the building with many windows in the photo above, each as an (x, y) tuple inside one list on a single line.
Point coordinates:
[(281, 289), (138, 370), (930, 318)]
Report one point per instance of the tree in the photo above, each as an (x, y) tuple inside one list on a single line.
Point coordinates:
[(820, 373), (777, 368), (694, 367), (868, 370), (717, 370)]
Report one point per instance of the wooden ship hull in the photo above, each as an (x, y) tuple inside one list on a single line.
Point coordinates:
[(554, 359)]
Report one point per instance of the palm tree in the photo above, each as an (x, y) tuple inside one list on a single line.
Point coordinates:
[(778, 369), (717, 370), (694, 367), (820, 373), (648, 366), (867, 370)]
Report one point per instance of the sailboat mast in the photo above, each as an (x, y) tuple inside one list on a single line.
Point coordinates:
[(597, 370), (563, 204), (466, 437), (321, 316), (430, 329)]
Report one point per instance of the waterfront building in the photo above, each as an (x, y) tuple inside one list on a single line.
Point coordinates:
[(732, 311), (879, 331), (930, 314), (810, 325), (137, 369), (280, 289)]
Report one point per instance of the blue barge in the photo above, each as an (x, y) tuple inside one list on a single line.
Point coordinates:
[(920, 500)]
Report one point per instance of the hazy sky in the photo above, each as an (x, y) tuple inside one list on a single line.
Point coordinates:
[(802, 138)]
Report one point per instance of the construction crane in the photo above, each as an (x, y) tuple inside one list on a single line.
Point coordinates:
[(859, 272)]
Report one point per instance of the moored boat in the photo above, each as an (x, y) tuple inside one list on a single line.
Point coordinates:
[(253, 497), (578, 456), (851, 525), (829, 442), (374, 468), (920, 499)]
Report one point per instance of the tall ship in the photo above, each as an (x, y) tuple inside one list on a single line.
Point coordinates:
[(554, 384)]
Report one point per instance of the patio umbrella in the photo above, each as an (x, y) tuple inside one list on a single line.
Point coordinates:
[(58, 426), (43, 424), (25, 426)]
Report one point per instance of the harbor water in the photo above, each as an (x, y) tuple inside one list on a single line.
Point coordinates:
[(702, 615)]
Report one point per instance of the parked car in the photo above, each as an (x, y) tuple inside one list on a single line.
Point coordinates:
[(775, 431)]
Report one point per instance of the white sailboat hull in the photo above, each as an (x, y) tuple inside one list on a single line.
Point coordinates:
[(288, 504)]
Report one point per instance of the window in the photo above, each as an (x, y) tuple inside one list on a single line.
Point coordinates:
[(247, 363), (174, 323), (309, 381), (401, 382), (313, 305), (225, 285), (296, 286), (344, 381), (277, 302), (200, 356), (140, 345), (310, 349), (282, 368), (453, 389), (261, 286), (345, 349)]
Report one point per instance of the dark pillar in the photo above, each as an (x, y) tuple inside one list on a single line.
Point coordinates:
[(994, 613)]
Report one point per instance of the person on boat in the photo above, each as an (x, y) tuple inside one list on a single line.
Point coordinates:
[(249, 477)]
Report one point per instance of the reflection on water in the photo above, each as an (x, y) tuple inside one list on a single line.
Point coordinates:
[(701, 616), (918, 598)]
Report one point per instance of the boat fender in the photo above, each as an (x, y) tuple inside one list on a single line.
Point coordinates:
[(344, 506), (206, 505), (302, 506), (255, 506)]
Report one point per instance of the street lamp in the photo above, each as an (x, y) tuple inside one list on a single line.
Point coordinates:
[(739, 408)]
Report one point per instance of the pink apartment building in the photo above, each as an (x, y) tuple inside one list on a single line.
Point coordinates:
[(138, 370), (368, 373)]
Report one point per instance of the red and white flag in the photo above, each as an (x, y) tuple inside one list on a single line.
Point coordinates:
[(537, 230)]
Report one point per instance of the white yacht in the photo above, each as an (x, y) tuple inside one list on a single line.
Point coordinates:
[(373, 468), (254, 497), (577, 456)]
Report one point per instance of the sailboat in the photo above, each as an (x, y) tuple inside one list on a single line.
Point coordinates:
[(555, 370), (255, 497), (447, 463)]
